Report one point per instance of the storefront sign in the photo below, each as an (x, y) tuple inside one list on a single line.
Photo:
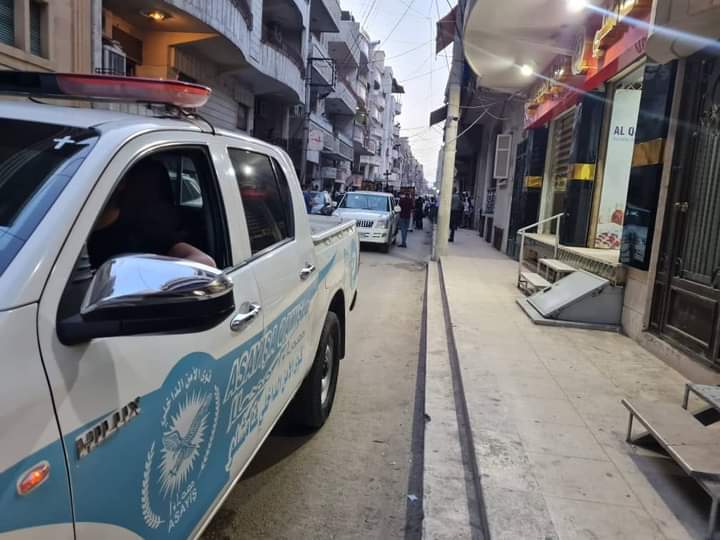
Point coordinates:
[(615, 23), (582, 58), (618, 161), (315, 140)]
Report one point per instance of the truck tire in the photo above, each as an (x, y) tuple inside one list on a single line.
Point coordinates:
[(313, 402)]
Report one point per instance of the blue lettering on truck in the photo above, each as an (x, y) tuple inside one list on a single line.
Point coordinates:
[(160, 474)]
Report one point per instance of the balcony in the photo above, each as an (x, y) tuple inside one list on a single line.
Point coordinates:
[(323, 68), (346, 147), (378, 132), (328, 173), (373, 161), (361, 92), (341, 46), (379, 100), (341, 101), (324, 16), (336, 148), (272, 38)]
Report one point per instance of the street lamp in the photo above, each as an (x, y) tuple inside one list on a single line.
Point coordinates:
[(576, 6)]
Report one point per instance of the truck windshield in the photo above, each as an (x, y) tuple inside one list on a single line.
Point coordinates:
[(356, 201), (36, 162)]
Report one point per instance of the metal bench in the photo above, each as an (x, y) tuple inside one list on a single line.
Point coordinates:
[(530, 282), (693, 446)]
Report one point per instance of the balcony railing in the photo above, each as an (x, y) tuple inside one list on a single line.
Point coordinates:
[(274, 40)]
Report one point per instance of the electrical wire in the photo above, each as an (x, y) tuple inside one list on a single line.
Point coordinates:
[(398, 22), (422, 75)]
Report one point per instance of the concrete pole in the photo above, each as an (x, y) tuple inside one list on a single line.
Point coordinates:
[(448, 163)]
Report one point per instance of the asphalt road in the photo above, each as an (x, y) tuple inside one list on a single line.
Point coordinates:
[(350, 479)]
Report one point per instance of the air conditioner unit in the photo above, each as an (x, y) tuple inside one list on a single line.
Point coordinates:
[(503, 151), (114, 59)]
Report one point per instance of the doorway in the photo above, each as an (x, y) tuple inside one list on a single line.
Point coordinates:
[(686, 301)]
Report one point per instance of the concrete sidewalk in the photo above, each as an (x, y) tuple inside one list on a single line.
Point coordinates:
[(546, 425)]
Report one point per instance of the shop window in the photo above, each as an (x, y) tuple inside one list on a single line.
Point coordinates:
[(7, 22)]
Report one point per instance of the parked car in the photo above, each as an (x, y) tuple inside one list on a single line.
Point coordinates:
[(135, 390), (321, 203), (376, 215)]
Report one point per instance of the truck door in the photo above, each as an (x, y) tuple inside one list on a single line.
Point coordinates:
[(284, 267), (153, 424)]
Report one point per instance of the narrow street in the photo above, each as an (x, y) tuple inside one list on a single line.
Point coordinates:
[(350, 479)]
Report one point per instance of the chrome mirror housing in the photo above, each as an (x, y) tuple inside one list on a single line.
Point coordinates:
[(141, 294)]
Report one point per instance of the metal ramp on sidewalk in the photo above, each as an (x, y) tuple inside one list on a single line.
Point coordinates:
[(580, 300)]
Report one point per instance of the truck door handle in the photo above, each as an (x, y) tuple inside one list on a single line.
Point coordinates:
[(307, 271), (241, 320)]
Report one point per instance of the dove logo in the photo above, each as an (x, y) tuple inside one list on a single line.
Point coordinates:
[(178, 458)]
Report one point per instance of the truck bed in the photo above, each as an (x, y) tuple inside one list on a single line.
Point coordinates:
[(324, 228)]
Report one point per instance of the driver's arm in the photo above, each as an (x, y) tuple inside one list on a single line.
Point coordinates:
[(183, 250)]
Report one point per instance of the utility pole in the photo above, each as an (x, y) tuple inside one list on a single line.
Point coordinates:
[(451, 129)]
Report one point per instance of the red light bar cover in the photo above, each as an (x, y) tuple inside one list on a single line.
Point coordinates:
[(104, 87)]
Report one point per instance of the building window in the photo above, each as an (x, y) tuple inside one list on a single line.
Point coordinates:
[(36, 24), (7, 22)]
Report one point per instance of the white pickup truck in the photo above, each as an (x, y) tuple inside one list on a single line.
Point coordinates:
[(136, 383)]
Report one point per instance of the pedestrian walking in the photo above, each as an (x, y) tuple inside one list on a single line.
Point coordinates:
[(468, 213), (407, 205), (456, 211), (419, 213)]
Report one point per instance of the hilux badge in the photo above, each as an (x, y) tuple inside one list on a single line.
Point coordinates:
[(106, 428)]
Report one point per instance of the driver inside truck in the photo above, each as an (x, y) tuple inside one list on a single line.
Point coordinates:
[(141, 218)]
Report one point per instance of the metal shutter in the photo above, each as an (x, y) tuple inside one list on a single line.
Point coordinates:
[(561, 147), (221, 110), (7, 22), (36, 12), (503, 150)]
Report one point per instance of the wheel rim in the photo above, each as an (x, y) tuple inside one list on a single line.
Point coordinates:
[(327, 373)]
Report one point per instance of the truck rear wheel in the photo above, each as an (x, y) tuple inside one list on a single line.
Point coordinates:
[(313, 402)]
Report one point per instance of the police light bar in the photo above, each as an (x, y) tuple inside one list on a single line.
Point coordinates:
[(103, 88)]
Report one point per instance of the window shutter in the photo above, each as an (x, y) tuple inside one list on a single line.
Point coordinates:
[(561, 147), (36, 13), (503, 146), (7, 22)]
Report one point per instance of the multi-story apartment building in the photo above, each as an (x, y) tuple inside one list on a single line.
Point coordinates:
[(382, 133), (45, 35), (252, 53)]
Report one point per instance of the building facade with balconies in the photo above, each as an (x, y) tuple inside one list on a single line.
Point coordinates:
[(253, 53)]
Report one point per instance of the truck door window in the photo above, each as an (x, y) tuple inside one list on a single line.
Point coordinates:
[(266, 199), (148, 212)]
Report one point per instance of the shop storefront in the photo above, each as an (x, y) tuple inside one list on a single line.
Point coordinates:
[(591, 103)]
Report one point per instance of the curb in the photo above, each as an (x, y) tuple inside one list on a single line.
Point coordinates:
[(447, 481)]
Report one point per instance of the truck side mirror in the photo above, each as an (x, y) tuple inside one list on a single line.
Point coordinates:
[(148, 294)]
